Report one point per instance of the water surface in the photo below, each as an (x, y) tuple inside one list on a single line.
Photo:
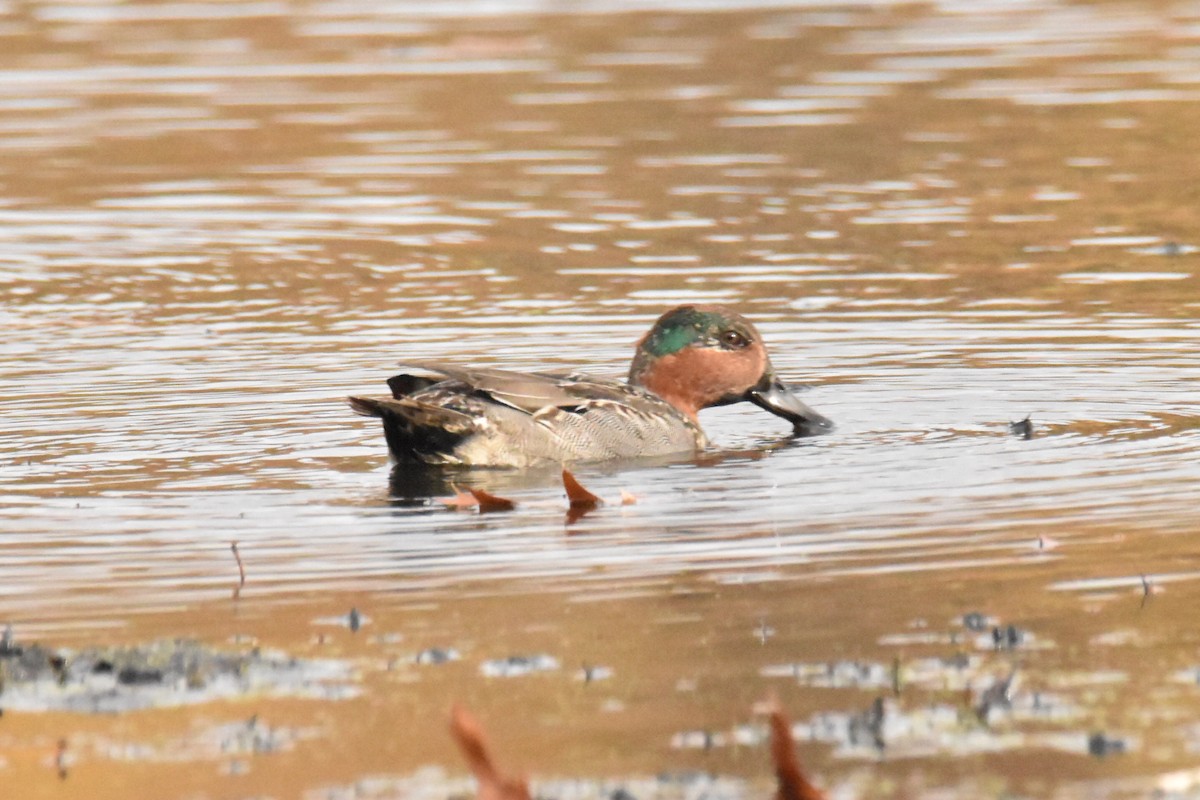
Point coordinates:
[(944, 219)]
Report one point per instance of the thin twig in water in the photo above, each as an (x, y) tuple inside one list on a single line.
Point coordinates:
[(1148, 588), (241, 569)]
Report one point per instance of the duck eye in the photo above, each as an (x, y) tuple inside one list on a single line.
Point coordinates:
[(734, 339)]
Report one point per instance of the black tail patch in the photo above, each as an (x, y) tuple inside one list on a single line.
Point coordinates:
[(403, 385), (365, 406), (413, 436)]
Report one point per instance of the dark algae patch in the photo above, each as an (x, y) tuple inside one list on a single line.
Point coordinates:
[(160, 674)]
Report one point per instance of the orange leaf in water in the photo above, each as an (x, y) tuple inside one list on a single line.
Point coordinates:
[(793, 784), (576, 494), (490, 502), (473, 743), (461, 499), (628, 498)]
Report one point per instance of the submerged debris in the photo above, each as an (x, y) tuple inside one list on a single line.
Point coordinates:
[(666, 785), (990, 716), (698, 740), (515, 666), (996, 696), (593, 672), (834, 675), (436, 655), (868, 726), (1100, 745), (1023, 428), (1046, 543), (1149, 589), (1007, 638), (976, 621), (353, 620), (136, 676), (7, 647), (158, 675)]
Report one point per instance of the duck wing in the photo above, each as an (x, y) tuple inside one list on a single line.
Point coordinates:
[(449, 414), (526, 391)]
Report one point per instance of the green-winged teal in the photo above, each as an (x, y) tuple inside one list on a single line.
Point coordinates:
[(694, 357)]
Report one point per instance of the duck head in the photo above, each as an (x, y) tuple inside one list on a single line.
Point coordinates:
[(701, 356)]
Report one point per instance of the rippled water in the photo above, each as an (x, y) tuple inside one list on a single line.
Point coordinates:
[(215, 225)]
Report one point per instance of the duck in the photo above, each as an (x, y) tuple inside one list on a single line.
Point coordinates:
[(693, 357)]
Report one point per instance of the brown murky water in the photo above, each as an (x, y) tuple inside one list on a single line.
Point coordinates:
[(216, 220)]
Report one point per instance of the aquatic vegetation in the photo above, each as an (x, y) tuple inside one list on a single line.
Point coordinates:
[(161, 674)]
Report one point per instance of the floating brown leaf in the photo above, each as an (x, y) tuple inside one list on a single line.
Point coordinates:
[(576, 494), (793, 785), (490, 502), (493, 785)]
